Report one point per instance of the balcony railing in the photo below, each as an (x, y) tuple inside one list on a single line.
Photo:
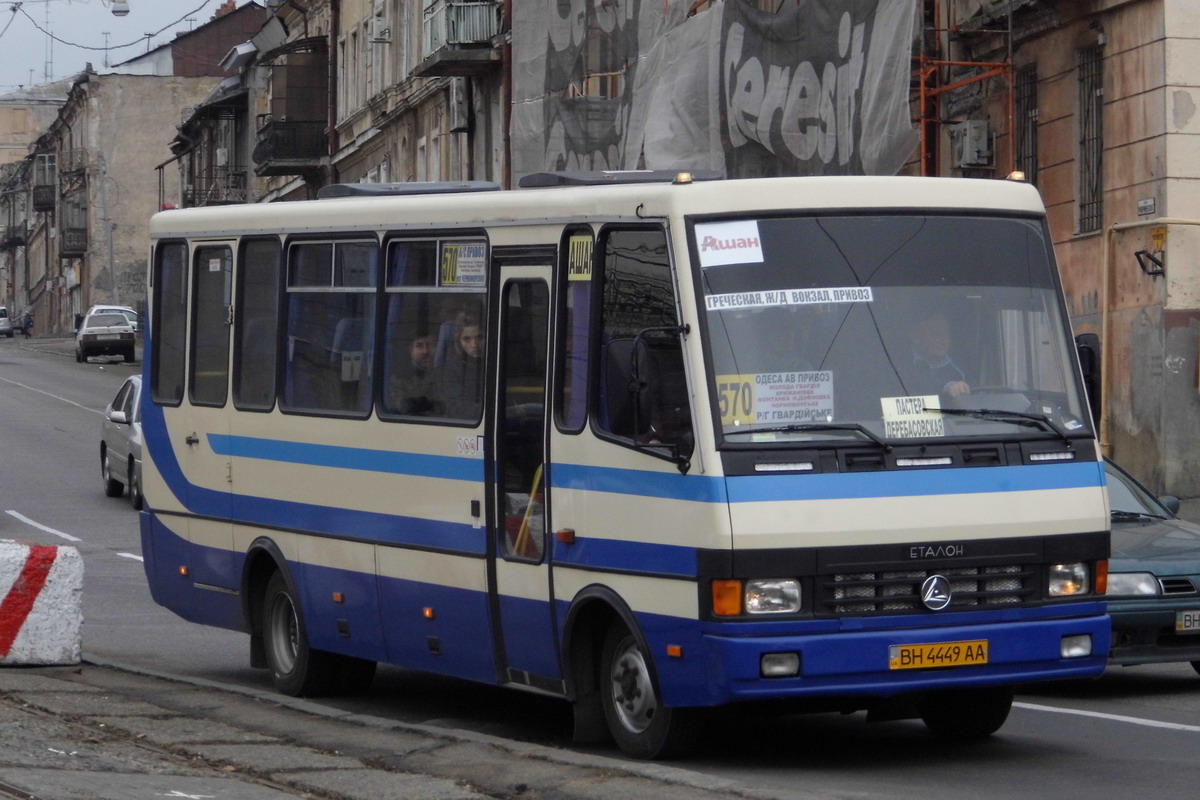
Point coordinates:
[(73, 240), (14, 235), (224, 186), (43, 196), (457, 38), (289, 148)]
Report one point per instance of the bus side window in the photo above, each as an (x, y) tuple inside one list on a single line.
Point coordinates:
[(641, 393), (169, 332), (256, 324)]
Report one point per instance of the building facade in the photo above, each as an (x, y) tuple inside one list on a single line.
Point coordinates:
[(1097, 104)]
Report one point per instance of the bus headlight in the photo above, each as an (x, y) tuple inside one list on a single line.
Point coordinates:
[(1132, 583), (1068, 579), (779, 596)]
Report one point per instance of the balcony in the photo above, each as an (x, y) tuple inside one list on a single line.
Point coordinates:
[(289, 148), (224, 186), (73, 241), (13, 235), (458, 39), (43, 196)]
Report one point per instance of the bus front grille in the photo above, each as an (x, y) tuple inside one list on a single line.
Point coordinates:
[(899, 591)]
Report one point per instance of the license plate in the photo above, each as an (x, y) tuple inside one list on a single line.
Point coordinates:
[(1187, 621), (107, 336), (939, 654)]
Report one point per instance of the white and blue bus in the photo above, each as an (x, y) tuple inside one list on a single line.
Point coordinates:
[(652, 444)]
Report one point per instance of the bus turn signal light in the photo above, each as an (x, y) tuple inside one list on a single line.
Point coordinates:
[(727, 598)]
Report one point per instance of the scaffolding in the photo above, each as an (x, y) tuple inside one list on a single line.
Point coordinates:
[(932, 75)]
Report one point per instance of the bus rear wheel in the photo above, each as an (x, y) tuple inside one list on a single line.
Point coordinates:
[(296, 669), (966, 714), (638, 721)]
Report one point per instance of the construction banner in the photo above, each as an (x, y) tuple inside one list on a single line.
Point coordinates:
[(819, 87)]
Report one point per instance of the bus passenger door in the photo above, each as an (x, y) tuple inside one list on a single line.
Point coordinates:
[(206, 458), (520, 575)]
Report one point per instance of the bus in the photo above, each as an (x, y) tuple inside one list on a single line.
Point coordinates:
[(651, 443)]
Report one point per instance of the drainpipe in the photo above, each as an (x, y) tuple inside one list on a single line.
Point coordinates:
[(506, 93), (1106, 314), (335, 26)]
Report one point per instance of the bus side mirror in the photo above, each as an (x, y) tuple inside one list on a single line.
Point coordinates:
[(1087, 345), (647, 395)]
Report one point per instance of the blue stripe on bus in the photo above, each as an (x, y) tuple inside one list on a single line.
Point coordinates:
[(627, 556), (917, 483), (840, 486), (323, 455), (638, 482)]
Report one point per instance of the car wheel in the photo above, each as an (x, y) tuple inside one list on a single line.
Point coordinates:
[(966, 714), (135, 489), (112, 486), (638, 721), (79, 355), (296, 669), (129, 357)]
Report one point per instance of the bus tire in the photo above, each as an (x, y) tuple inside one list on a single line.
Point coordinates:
[(112, 486), (296, 668), (966, 714), (638, 721)]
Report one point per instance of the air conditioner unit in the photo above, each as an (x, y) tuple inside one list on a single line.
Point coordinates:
[(222, 156), (970, 144), (381, 29)]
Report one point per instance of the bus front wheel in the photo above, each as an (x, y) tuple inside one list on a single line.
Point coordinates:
[(638, 721), (296, 669), (966, 714)]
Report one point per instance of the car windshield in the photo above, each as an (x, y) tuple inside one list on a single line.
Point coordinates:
[(1126, 496), (853, 327)]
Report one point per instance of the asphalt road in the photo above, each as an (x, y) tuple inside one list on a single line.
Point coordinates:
[(1133, 732)]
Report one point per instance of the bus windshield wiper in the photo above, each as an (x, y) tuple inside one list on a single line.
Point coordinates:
[(1015, 417), (801, 427)]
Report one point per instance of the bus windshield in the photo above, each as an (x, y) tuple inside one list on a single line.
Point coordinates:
[(884, 328)]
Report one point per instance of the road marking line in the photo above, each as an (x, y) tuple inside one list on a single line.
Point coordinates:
[(131, 555), (42, 527), (1149, 723), (50, 394)]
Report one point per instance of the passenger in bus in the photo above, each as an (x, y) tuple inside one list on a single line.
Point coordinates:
[(933, 371), (414, 387), (462, 374)]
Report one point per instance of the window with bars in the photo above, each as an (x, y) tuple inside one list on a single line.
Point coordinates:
[(1091, 141), (1027, 123)]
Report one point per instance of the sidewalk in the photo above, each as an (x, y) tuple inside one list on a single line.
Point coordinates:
[(97, 732)]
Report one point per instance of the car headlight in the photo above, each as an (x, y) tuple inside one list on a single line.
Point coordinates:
[(781, 596), (1132, 584), (1069, 579)]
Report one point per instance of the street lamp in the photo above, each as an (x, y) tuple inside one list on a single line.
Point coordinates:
[(120, 8)]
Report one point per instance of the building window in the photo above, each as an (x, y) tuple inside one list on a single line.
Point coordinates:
[(1027, 123), (1091, 139)]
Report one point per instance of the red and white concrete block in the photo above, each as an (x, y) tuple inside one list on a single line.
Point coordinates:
[(41, 613)]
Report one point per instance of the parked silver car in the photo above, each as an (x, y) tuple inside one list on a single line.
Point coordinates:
[(105, 334), (6, 328), (121, 443)]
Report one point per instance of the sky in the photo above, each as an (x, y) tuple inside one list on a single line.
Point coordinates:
[(77, 31)]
